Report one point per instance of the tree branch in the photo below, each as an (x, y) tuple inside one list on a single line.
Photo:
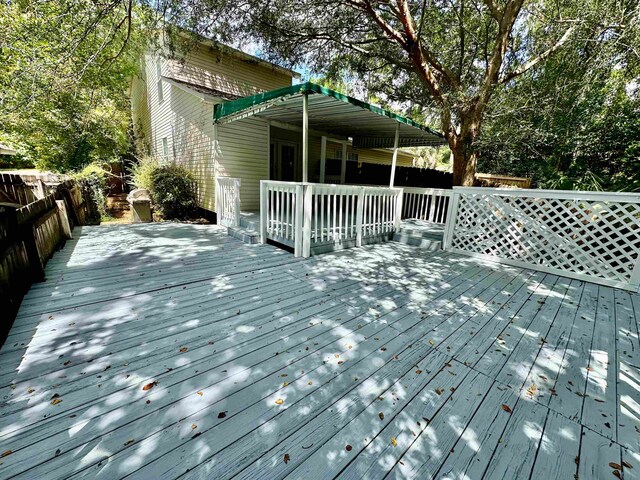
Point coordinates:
[(544, 55)]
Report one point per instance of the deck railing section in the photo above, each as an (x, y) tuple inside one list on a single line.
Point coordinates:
[(228, 201), (428, 204), (308, 215), (591, 236)]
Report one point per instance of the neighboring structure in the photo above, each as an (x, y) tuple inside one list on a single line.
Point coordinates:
[(173, 109)]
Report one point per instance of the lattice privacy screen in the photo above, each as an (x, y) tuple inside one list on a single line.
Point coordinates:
[(591, 236)]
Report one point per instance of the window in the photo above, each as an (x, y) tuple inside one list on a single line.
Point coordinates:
[(165, 148), (159, 80)]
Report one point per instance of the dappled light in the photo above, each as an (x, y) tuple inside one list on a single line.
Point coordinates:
[(172, 350)]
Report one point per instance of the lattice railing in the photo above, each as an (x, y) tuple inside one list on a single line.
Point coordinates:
[(591, 236)]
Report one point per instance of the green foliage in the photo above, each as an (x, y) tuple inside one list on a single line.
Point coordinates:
[(66, 67), (93, 181), (172, 187)]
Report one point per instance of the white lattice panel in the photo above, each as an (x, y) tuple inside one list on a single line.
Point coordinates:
[(586, 235)]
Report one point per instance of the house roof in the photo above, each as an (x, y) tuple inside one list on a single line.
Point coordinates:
[(333, 112), (5, 150), (200, 91)]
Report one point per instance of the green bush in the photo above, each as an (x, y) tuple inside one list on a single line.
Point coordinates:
[(172, 188), (93, 182)]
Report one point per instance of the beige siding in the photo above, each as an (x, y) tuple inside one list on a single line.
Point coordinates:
[(225, 72), (243, 152)]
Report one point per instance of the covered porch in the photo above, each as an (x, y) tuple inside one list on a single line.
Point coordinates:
[(325, 215)]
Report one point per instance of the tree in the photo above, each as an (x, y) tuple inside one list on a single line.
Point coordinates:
[(66, 67), (451, 55)]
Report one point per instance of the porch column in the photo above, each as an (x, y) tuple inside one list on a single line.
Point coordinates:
[(305, 137), (394, 160), (343, 167), (323, 157)]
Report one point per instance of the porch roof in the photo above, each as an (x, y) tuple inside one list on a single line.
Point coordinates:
[(333, 112)]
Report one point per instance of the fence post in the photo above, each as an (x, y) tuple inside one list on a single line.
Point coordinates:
[(451, 219), (359, 217), (264, 205), (306, 231), (63, 219), (236, 199), (399, 200)]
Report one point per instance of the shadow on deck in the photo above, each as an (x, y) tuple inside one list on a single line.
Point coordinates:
[(166, 350)]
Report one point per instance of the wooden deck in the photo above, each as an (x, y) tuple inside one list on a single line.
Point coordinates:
[(169, 350)]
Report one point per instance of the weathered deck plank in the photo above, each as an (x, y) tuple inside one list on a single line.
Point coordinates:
[(439, 344)]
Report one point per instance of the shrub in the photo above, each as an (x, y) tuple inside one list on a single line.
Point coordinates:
[(93, 182), (171, 186)]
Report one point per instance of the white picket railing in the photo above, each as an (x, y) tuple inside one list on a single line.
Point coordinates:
[(228, 201), (429, 204), (310, 215), (591, 236)]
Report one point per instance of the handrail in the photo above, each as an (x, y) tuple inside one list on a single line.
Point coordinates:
[(307, 215)]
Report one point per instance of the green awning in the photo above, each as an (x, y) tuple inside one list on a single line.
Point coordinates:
[(333, 112)]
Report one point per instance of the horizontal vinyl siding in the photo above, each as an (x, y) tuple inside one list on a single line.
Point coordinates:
[(225, 72), (192, 142), (242, 152)]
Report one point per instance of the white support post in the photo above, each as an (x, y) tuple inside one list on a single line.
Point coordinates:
[(217, 205), (236, 199), (306, 229), (359, 217), (323, 157), (451, 218), (305, 138), (343, 167), (297, 238), (394, 160), (399, 200), (264, 205)]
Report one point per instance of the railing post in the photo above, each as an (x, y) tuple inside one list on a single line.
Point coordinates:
[(297, 231), (451, 219), (264, 211), (306, 229), (399, 200), (236, 199), (634, 280), (359, 217), (218, 209)]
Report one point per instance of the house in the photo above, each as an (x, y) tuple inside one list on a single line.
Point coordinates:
[(177, 112)]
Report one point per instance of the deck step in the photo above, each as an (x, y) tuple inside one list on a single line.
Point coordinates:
[(250, 223), (429, 242), (247, 235)]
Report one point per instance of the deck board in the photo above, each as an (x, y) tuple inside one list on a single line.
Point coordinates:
[(471, 364)]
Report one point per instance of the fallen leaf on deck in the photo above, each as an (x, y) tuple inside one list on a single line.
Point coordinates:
[(56, 401), (617, 473), (31, 390), (626, 464), (348, 448), (279, 401), (432, 343), (128, 442), (199, 393), (149, 386), (418, 372), (506, 408), (615, 466), (439, 391), (57, 452), (222, 414), (183, 349), (394, 442), (193, 426), (285, 384), (67, 363), (5, 453), (286, 458)]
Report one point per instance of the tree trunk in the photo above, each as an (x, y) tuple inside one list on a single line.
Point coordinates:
[(464, 166)]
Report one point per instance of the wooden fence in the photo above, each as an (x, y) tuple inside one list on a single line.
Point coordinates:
[(30, 234)]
